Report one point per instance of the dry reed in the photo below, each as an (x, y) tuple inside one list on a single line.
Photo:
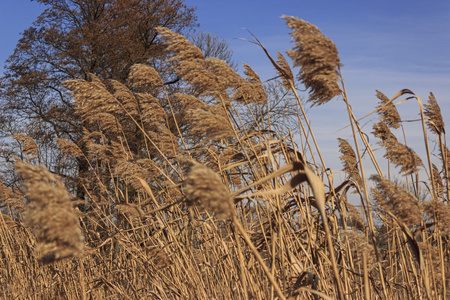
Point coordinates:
[(292, 229), (318, 59), (204, 188), (51, 214)]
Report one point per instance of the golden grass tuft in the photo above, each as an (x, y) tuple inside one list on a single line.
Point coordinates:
[(51, 214), (206, 124), (318, 59), (29, 146), (349, 160), (204, 188), (387, 110), (250, 90), (69, 147), (433, 112), (400, 154), (144, 77), (292, 228), (396, 199)]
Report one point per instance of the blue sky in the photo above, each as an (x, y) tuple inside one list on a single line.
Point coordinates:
[(385, 45)]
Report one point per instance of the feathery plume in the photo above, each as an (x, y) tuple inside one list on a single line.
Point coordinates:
[(286, 72), (182, 48), (11, 198), (438, 180), (403, 156), (204, 123), (388, 112), (382, 131), (250, 90), (130, 170), (440, 212), (226, 77), (400, 154), (164, 140), (91, 98), (204, 188), (358, 245), (51, 213), (189, 60), (318, 59), (69, 148), (125, 96), (394, 198), (356, 221), (189, 101), (349, 160), (29, 145), (111, 152), (108, 122), (435, 121), (144, 77), (152, 113)]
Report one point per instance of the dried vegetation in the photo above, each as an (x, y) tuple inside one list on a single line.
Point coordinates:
[(184, 201)]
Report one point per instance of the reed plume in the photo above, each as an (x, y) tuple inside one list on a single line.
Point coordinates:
[(440, 213), (318, 59), (394, 198), (400, 154), (51, 214), (125, 97), (189, 61), (204, 188), (69, 147), (152, 113), (435, 121), (143, 77), (131, 171), (403, 156), (189, 101), (10, 198), (350, 161), (387, 111), (285, 71), (208, 124), (29, 146), (382, 131), (91, 98), (164, 139), (250, 90)]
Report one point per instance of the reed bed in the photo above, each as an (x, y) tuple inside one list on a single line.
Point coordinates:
[(185, 200)]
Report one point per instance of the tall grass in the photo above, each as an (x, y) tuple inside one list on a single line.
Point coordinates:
[(185, 200)]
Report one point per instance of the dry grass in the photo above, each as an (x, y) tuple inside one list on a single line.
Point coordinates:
[(182, 200)]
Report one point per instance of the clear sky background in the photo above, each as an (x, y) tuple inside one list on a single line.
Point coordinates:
[(387, 45)]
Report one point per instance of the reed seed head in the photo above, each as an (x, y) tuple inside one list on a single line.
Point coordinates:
[(396, 199), (382, 131), (318, 59), (204, 123), (204, 188), (250, 90), (29, 145), (388, 112), (91, 98), (403, 156), (144, 77), (69, 147), (285, 73), (435, 121), (349, 160), (51, 214)]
